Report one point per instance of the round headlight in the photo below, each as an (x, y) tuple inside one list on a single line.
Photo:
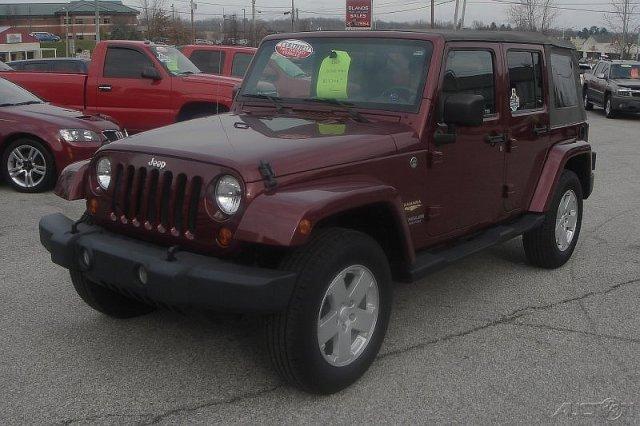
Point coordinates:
[(103, 172), (228, 194)]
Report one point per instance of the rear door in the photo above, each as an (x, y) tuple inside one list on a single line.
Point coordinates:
[(464, 179), (137, 103), (528, 123)]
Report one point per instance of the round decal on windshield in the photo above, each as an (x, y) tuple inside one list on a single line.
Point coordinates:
[(294, 49)]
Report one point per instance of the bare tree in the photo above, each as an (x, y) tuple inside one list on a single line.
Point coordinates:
[(155, 17), (533, 15), (623, 20)]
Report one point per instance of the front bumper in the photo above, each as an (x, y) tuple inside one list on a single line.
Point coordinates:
[(189, 281), (626, 103)]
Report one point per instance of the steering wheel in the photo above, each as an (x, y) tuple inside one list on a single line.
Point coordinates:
[(397, 94)]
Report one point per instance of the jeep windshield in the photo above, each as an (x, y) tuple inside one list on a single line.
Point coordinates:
[(625, 71), (368, 73)]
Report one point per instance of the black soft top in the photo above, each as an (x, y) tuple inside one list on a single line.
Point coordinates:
[(447, 35)]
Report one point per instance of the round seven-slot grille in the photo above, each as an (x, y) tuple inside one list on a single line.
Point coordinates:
[(156, 200)]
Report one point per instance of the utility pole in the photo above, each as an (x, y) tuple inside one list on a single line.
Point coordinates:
[(66, 26), (455, 16), (193, 27), (464, 8), (244, 24), (433, 14), (625, 28), (293, 16), (97, 23), (254, 42)]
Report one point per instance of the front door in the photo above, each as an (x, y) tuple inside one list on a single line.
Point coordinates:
[(528, 123), (464, 179), (137, 103)]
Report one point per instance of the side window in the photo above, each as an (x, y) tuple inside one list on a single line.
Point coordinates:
[(240, 64), (605, 70), (471, 71), (73, 67), (36, 66), (208, 61), (121, 62), (525, 80), (564, 81), (598, 69)]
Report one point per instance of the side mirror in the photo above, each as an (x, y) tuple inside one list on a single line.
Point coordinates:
[(464, 109), (151, 73), (235, 91), (600, 75)]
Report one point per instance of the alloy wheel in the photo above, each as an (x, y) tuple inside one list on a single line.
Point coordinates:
[(348, 315), (566, 220), (27, 166)]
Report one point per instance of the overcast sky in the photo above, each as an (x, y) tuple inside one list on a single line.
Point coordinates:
[(408, 10)]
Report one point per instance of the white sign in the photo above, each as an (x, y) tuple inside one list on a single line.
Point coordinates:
[(14, 38)]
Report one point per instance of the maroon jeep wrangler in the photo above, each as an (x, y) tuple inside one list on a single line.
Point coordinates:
[(366, 159)]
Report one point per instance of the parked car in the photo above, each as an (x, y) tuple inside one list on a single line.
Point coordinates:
[(5, 67), (614, 86), (60, 65), (38, 140), (583, 68), (231, 61), (140, 84), (44, 36), (392, 155)]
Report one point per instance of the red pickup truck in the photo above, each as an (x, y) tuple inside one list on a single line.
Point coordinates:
[(139, 84)]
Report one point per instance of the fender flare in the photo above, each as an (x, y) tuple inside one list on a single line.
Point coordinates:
[(316, 202), (72, 181), (554, 165)]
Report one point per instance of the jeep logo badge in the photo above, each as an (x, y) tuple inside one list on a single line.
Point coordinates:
[(156, 163)]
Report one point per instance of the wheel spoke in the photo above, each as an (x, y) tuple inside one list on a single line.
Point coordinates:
[(338, 292), (344, 345), (32, 154), (28, 179), (358, 289), (364, 320), (18, 154), (41, 170), (328, 328)]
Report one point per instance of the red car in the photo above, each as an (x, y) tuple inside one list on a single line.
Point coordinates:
[(38, 140), (230, 61), (140, 84)]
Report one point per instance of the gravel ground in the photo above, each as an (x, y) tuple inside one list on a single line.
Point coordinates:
[(489, 339)]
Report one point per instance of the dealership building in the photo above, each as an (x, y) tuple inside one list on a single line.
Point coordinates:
[(16, 44), (75, 18)]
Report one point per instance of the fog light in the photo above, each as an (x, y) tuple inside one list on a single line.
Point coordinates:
[(85, 258), (224, 237), (142, 275), (304, 227), (92, 206)]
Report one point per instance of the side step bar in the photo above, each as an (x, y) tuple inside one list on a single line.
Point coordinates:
[(429, 261)]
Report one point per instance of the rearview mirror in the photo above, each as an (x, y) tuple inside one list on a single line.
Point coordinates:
[(464, 109), (600, 75), (151, 73)]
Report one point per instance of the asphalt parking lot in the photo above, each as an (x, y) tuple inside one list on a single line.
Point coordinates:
[(489, 339)]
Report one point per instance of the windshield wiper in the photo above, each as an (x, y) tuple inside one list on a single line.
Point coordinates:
[(5, 105), (186, 73), (28, 103), (348, 106), (274, 100)]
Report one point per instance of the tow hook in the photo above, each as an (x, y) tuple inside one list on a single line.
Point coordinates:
[(268, 175)]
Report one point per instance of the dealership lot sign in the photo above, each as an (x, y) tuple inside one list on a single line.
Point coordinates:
[(359, 14)]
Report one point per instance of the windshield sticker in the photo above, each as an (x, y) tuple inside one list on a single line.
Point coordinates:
[(294, 49), (333, 76), (635, 72), (331, 129), (514, 102)]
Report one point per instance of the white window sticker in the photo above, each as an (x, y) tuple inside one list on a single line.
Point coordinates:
[(514, 101), (294, 49)]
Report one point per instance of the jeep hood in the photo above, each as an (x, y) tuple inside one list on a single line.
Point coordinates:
[(291, 144)]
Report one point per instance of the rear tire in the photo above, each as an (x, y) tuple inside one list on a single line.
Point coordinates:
[(544, 246), (333, 264), (107, 301)]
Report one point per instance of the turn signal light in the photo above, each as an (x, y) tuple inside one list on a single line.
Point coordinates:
[(92, 206), (304, 227), (224, 237)]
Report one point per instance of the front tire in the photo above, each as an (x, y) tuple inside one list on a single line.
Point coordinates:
[(585, 97), (551, 244), (609, 112), (105, 300), (28, 166), (337, 317)]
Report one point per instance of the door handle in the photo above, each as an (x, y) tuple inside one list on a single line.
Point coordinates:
[(540, 130), (104, 87), (493, 140)]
